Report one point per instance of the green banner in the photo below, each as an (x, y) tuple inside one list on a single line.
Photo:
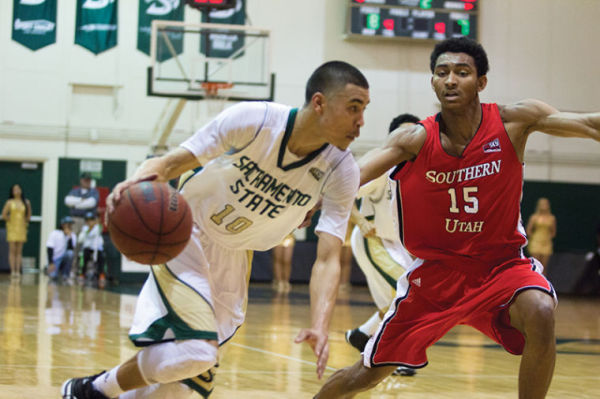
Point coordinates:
[(96, 24), (150, 10), (221, 45), (34, 23)]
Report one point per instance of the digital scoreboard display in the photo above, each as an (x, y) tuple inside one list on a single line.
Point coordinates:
[(412, 19)]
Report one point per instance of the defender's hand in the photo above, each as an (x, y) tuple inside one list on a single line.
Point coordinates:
[(318, 341)]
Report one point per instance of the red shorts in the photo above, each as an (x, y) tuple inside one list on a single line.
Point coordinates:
[(436, 296)]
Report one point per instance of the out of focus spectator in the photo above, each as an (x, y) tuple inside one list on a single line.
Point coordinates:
[(81, 200), (60, 246)]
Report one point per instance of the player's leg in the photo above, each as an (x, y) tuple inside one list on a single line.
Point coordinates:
[(382, 271), (288, 254), (12, 250), (177, 323), (349, 381), (532, 313), (18, 257)]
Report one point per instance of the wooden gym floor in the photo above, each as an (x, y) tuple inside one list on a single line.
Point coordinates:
[(50, 332)]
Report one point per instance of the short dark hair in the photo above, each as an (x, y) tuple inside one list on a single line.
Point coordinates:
[(331, 76), (462, 45), (402, 118)]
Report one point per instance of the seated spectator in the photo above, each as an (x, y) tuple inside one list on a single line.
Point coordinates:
[(92, 244), (60, 245)]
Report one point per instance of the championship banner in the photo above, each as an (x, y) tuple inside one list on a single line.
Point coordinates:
[(150, 10), (222, 45), (34, 23), (96, 24)]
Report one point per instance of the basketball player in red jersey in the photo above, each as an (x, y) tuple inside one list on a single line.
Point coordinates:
[(460, 175)]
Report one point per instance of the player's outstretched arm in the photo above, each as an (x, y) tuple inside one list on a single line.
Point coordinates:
[(402, 144), (527, 116), (163, 168), (324, 282)]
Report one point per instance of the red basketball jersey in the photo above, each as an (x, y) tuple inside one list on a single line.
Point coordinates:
[(464, 206)]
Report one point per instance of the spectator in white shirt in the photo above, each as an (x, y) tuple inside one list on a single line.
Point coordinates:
[(60, 245), (91, 241)]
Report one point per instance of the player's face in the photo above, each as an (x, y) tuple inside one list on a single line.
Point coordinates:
[(455, 80), (16, 190), (343, 115)]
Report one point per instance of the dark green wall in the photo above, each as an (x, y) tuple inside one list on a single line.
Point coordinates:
[(577, 211)]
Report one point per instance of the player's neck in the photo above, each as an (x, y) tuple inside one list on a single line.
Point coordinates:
[(304, 138), (461, 124)]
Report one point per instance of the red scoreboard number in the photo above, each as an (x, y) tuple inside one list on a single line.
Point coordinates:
[(211, 4)]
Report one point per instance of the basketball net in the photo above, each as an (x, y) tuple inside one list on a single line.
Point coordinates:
[(214, 97)]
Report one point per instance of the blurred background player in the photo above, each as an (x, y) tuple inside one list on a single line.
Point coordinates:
[(377, 248)]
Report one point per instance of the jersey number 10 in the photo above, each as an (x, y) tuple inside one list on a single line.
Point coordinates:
[(235, 226)]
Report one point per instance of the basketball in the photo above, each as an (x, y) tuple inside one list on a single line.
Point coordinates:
[(151, 224)]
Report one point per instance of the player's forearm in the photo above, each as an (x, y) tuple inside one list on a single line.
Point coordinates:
[(324, 283), (151, 166), (169, 166)]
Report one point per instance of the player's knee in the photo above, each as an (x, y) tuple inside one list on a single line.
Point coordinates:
[(174, 361), (539, 321)]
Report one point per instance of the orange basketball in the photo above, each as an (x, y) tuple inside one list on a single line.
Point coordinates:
[(151, 224)]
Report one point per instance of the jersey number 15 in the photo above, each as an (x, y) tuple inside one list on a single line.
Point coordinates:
[(471, 203)]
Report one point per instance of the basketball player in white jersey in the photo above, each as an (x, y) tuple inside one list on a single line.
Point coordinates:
[(377, 248), (265, 165)]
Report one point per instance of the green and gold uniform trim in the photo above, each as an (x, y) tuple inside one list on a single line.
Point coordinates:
[(188, 316), (381, 260), (286, 137), (186, 176), (204, 383)]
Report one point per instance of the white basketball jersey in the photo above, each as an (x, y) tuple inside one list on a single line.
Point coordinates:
[(252, 191), (377, 203)]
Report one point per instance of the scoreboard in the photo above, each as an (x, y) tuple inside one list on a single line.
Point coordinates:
[(412, 19)]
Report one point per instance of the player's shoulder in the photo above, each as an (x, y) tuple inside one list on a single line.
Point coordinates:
[(262, 113), (408, 138), (343, 162), (524, 111)]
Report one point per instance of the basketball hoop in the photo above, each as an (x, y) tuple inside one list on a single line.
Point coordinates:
[(215, 100), (212, 88)]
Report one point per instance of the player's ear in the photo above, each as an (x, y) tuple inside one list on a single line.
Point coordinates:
[(318, 102), (481, 82)]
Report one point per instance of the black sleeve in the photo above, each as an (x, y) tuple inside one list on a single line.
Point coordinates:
[(50, 254)]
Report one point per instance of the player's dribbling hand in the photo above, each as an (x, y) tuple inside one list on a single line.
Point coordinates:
[(319, 343), (308, 217), (115, 195)]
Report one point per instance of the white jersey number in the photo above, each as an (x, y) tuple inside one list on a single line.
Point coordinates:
[(469, 198), (237, 225)]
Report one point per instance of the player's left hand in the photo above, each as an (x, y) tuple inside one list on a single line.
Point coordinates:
[(318, 341), (308, 217)]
